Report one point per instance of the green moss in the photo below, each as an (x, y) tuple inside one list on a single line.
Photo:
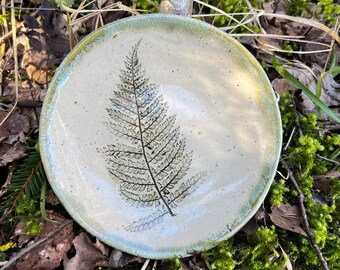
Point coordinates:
[(234, 6), (303, 157), (329, 11), (260, 253), (27, 211), (325, 10), (221, 257), (298, 7), (277, 192), (288, 115)]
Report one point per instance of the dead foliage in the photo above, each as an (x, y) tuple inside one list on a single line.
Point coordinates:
[(287, 217)]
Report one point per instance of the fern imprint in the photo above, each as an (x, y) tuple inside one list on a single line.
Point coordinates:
[(151, 161)]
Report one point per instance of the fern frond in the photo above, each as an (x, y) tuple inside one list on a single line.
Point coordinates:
[(151, 162), (147, 222), (27, 179)]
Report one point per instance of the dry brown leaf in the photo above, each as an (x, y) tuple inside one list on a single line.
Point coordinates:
[(330, 94), (51, 198), (251, 227), (193, 263), (295, 28), (88, 255), (332, 175), (36, 65), (281, 85), (20, 233), (287, 217), (27, 91), (119, 259), (12, 137), (12, 152), (14, 124), (49, 254), (315, 35), (48, 226), (322, 182)]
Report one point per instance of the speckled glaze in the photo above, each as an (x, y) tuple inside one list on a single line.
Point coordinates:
[(219, 104)]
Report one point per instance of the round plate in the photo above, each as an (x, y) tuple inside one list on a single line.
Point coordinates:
[(160, 135)]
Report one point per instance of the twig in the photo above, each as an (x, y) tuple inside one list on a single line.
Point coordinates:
[(22, 253), (16, 65), (290, 139), (7, 36), (30, 104), (329, 160), (309, 22), (5, 186), (283, 177), (304, 217)]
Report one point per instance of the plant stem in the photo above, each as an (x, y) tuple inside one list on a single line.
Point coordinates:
[(16, 63), (307, 229), (69, 30)]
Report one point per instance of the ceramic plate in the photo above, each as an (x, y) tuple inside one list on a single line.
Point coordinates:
[(160, 135)]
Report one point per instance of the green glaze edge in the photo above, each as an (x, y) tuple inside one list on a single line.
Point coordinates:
[(267, 100)]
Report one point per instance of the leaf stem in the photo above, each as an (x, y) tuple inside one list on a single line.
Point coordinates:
[(133, 60)]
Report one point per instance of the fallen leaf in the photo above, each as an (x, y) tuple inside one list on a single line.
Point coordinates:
[(315, 35), (269, 8), (107, 17), (332, 175), (10, 153), (281, 85), (307, 76), (27, 90), (51, 198), (287, 217), (193, 263), (36, 65), (88, 255), (295, 28), (46, 253), (322, 182), (120, 259), (21, 231), (250, 228), (14, 124)]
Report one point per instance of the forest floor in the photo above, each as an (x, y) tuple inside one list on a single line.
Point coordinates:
[(298, 225)]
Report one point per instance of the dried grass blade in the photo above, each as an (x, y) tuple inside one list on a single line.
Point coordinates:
[(309, 22)]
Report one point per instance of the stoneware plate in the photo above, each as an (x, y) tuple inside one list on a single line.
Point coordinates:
[(160, 135)]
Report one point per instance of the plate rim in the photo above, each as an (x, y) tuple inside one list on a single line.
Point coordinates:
[(48, 107)]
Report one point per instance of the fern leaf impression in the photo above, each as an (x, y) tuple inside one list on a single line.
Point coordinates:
[(150, 162)]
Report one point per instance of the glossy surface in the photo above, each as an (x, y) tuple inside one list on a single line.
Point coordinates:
[(160, 135)]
